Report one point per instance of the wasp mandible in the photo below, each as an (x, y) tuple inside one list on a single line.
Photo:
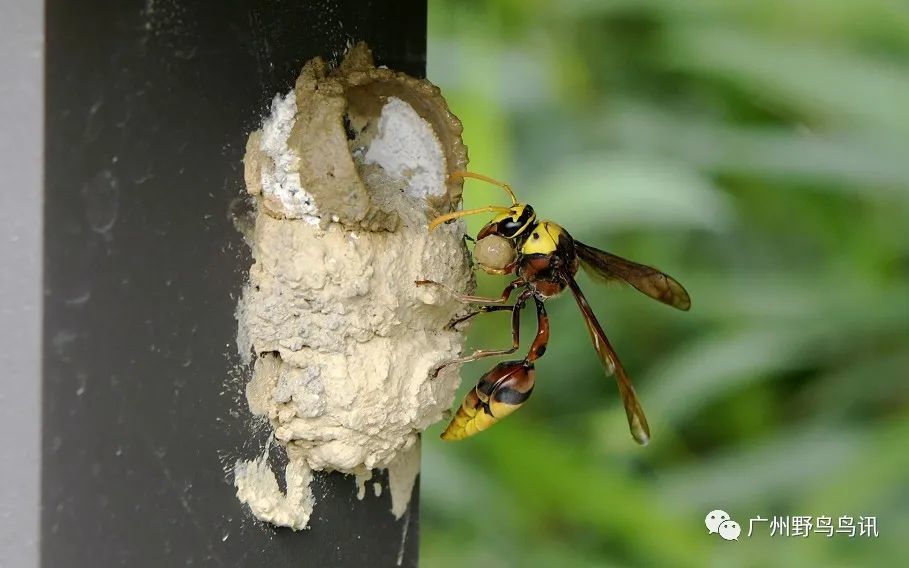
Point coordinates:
[(544, 258)]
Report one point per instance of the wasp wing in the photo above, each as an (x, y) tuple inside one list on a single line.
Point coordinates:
[(637, 422), (609, 267)]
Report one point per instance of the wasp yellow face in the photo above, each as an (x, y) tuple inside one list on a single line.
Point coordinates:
[(512, 223)]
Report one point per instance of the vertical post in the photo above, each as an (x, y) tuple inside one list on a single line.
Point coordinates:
[(20, 280), (148, 105)]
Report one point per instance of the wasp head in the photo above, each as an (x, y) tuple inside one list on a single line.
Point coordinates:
[(511, 224)]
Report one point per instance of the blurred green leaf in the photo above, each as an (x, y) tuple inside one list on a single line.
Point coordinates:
[(620, 192), (827, 83), (839, 160)]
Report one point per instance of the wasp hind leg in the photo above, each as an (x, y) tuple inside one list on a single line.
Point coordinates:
[(482, 353), (502, 390)]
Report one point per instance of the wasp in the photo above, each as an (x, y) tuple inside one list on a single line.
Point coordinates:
[(544, 259)]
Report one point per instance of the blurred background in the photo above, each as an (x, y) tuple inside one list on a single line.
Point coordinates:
[(759, 153)]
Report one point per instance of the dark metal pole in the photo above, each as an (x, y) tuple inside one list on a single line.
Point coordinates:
[(148, 105)]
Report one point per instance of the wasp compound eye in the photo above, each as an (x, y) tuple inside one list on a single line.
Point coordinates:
[(514, 225), (508, 228)]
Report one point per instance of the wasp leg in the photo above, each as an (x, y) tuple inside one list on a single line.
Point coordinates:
[(502, 390), (538, 347), (467, 299), (480, 310), (515, 335)]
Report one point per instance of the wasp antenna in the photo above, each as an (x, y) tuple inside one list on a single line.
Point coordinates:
[(487, 179), (456, 214)]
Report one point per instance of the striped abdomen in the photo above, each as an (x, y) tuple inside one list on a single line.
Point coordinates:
[(500, 392)]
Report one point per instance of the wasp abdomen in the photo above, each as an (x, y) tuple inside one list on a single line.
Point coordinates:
[(500, 392)]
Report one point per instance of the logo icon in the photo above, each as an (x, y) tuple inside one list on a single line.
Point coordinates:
[(714, 519), (719, 522), (730, 530)]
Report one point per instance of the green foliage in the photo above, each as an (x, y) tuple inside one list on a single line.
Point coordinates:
[(758, 152)]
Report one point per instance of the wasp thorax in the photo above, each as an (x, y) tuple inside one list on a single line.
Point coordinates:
[(493, 253)]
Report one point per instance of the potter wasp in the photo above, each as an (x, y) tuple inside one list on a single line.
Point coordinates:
[(544, 258)]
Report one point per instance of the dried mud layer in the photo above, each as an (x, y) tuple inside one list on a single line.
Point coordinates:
[(346, 172)]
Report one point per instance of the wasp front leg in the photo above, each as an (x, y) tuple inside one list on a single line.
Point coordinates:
[(500, 392), (467, 299)]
